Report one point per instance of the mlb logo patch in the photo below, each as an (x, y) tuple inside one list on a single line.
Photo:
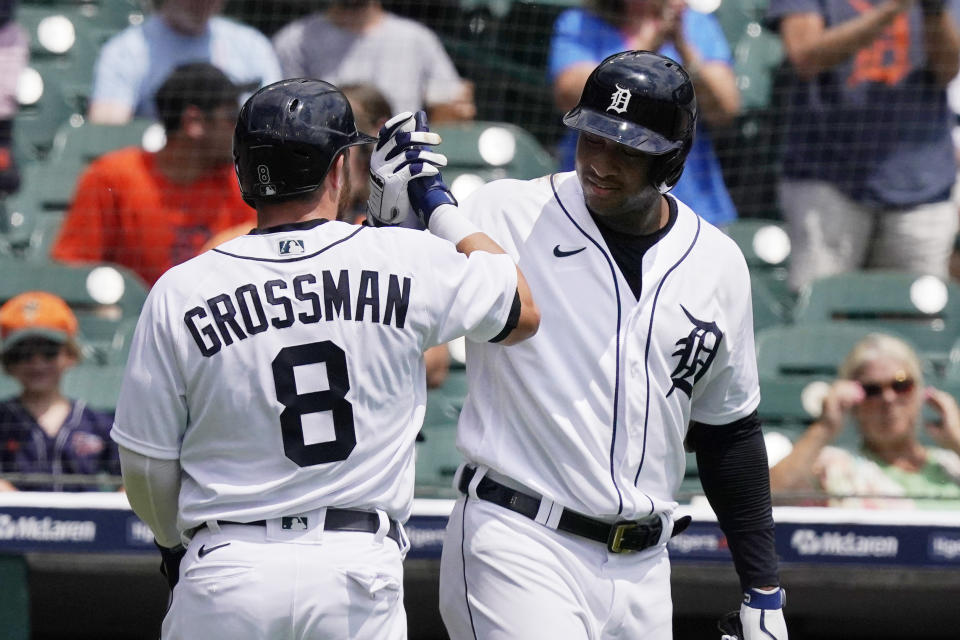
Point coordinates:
[(293, 523), (291, 246)]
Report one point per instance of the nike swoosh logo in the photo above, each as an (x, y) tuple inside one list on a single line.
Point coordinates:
[(204, 551), (560, 253)]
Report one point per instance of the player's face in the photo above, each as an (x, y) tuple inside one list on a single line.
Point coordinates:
[(889, 413), (614, 178)]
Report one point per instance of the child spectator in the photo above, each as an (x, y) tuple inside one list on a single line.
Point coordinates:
[(41, 430)]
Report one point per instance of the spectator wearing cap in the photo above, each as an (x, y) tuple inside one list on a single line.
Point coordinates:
[(134, 63), (149, 211), (41, 430)]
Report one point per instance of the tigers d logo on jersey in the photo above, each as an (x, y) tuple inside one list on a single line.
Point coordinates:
[(696, 352)]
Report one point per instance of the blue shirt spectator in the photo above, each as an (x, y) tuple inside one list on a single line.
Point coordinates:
[(876, 125), (868, 161), (134, 63), (581, 36)]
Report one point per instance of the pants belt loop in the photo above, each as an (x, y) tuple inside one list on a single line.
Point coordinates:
[(213, 525), (384, 527), (458, 475), (666, 522), (478, 475), (549, 513)]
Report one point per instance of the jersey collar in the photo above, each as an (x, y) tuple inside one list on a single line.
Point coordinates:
[(291, 226)]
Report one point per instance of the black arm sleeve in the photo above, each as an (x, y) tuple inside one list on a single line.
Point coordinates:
[(732, 461), (512, 319)]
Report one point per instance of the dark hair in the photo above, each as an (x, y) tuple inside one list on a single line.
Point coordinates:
[(199, 84), (370, 106)]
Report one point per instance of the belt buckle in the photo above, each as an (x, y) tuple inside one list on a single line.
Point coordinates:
[(617, 532)]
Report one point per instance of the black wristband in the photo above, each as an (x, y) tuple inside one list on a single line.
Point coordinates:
[(170, 558)]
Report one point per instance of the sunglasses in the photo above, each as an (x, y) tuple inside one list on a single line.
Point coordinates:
[(901, 386), (24, 352)]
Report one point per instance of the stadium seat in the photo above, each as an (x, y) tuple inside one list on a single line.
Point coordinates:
[(98, 385), (83, 142), (479, 152), (44, 106), (922, 309), (806, 351), (102, 290)]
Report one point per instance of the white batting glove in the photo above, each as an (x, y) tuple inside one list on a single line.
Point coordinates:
[(760, 617), (398, 158)]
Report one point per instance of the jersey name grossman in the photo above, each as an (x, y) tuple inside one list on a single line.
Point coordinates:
[(251, 309)]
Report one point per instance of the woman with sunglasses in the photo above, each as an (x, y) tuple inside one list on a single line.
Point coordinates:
[(880, 387), (41, 430)]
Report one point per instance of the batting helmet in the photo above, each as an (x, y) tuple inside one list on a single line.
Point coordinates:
[(288, 134), (644, 101)]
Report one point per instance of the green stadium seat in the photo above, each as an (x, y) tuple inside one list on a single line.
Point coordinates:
[(922, 309), (98, 289), (806, 351), (98, 385), (83, 142), (482, 151)]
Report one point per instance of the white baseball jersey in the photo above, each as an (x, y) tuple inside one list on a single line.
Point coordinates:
[(592, 411), (285, 369)]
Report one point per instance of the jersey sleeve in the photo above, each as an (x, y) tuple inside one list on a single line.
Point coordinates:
[(730, 390), (470, 296), (152, 411), (704, 31)]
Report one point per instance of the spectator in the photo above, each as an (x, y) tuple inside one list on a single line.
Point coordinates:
[(135, 62), (881, 387), (868, 162), (149, 211), (357, 41), (584, 37), (14, 53), (41, 430), (370, 110)]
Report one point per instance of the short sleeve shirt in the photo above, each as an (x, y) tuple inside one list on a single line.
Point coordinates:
[(876, 126), (134, 63)]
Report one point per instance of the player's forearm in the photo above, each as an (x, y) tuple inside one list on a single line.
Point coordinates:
[(153, 490), (812, 49)]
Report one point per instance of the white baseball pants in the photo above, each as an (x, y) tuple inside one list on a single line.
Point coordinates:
[(261, 582), (503, 576)]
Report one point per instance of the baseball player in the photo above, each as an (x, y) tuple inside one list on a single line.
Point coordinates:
[(276, 383), (574, 440)]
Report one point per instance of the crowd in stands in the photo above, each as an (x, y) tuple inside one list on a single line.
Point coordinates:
[(866, 181)]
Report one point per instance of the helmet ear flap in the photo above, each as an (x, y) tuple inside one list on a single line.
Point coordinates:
[(667, 169)]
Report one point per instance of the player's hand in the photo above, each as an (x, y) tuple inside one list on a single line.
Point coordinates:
[(760, 617), (399, 156), (429, 192), (170, 558)]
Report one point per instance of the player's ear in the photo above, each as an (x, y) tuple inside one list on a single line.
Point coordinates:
[(338, 175)]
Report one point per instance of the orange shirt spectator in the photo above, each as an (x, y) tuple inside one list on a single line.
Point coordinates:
[(127, 212), (150, 211)]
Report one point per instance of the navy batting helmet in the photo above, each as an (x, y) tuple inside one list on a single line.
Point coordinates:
[(644, 101), (288, 134)]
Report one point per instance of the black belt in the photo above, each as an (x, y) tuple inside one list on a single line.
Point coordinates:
[(619, 537), (336, 520)]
